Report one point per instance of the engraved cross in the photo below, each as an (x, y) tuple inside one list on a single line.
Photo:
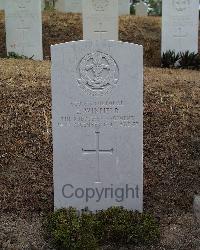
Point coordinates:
[(98, 151)]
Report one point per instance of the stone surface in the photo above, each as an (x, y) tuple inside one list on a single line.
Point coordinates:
[(100, 19), (97, 90), (2, 4), (124, 7), (196, 207), (141, 9), (74, 6), (180, 25), (24, 28)]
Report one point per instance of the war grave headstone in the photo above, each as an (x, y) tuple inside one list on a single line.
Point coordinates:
[(124, 7), (97, 115), (100, 19), (141, 9), (24, 28), (2, 4), (180, 20), (73, 6)]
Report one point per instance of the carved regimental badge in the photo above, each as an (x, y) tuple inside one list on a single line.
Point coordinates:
[(98, 73)]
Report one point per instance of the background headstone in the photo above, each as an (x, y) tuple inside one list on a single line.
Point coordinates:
[(24, 28), (42, 4), (141, 9), (180, 20), (124, 7), (60, 5), (73, 6), (2, 4), (100, 19), (97, 90)]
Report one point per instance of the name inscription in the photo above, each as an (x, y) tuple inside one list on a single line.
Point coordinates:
[(107, 114)]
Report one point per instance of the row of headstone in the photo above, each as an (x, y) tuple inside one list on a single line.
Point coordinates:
[(75, 6), (100, 21)]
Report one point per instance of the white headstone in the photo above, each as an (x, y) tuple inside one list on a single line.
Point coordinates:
[(141, 9), (2, 4), (100, 19), (97, 91), (180, 20), (24, 28), (124, 7), (73, 6)]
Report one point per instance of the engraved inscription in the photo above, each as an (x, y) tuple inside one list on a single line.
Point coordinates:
[(98, 114), (98, 151), (98, 73), (100, 5)]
